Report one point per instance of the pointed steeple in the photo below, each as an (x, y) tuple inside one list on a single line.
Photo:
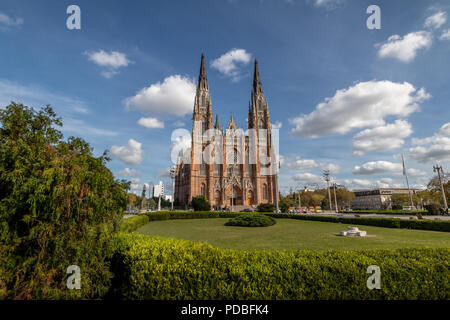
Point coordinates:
[(202, 80), (257, 87), (217, 124), (231, 124)]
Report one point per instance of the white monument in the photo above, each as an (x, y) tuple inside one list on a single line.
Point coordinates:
[(353, 232)]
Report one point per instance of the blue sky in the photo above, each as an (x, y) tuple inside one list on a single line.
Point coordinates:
[(347, 98)]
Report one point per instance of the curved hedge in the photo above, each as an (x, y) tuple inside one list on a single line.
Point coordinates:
[(251, 220), (162, 268), (432, 225)]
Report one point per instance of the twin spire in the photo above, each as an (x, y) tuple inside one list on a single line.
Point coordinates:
[(257, 91)]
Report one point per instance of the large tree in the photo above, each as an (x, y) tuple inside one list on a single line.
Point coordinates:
[(59, 206)]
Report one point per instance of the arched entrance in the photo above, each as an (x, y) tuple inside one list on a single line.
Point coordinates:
[(235, 196), (250, 197)]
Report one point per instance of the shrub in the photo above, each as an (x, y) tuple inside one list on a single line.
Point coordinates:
[(251, 220), (432, 209), (200, 203), (163, 268), (133, 223), (59, 206), (266, 207)]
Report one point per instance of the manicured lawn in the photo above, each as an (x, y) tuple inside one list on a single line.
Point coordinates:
[(291, 234)]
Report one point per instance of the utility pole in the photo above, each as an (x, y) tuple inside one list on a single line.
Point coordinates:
[(173, 172), (326, 175), (407, 183), (439, 170), (335, 199)]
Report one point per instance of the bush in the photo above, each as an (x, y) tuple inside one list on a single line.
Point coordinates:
[(251, 220), (59, 206), (433, 209), (162, 268), (266, 207), (133, 223), (200, 203), (394, 212)]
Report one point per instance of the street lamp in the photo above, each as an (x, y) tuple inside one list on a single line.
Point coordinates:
[(173, 172), (439, 170)]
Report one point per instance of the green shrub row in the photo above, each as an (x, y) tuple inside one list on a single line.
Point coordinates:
[(163, 268), (133, 223), (406, 212), (432, 225)]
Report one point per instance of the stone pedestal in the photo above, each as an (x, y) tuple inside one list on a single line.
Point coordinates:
[(353, 232)]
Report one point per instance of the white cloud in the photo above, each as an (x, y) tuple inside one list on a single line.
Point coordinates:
[(127, 172), (308, 178), (445, 35), (178, 124), (437, 20), (433, 149), (377, 167), (405, 49), (6, 22), (277, 125), (228, 63), (112, 61), (333, 168), (174, 96), (299, 164), (370, 184), (365, 104), (382, 138), (328, 4), (131, 154), (181, 144), (151, 123)]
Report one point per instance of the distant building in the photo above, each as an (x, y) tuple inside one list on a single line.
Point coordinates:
[(158, 189), (376, 199)]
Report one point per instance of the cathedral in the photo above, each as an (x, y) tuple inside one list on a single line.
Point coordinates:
[(233, 169)]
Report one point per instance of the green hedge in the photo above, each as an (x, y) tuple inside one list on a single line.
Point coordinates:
[(162, 268), (405, 212), (133, 223), (432, 225)]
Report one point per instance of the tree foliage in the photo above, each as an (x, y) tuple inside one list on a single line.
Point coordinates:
[(59, 206), (200, 203)]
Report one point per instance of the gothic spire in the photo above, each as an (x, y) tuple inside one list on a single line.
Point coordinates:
[(257, 88), (217, 124), (202, 80)]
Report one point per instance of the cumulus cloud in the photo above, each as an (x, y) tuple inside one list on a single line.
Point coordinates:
[(277, 125), (377, 167), (432, 149), (7, 22), (127, 172), (331, 167), (369, 184), (405, 48), (308, 178), (178, 124), (328, 4), (365, 104), (436, 20), (151, 123), (382, 138), (229, 63), (299, 164), (181, 145), (130, 154), (445, 35), (174, 96), (112, 61)]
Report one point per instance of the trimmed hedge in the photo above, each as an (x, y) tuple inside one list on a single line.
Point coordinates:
[(405, 212), (162, 268), (251, 220), (133, 223), (432, 225)]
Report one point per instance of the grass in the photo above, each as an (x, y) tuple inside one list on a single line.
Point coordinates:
[(289, 234)]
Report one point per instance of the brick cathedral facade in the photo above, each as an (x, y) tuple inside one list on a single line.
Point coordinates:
[(244, 170)]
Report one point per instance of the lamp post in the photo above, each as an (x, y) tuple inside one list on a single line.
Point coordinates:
[(173, 172), (335, 199), (326, 175)]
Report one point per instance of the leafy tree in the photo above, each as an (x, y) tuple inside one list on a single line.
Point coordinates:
[(59, 206), (200, 203), (286, 202)]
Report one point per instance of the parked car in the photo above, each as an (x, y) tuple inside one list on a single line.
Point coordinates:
[(246, 210)]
